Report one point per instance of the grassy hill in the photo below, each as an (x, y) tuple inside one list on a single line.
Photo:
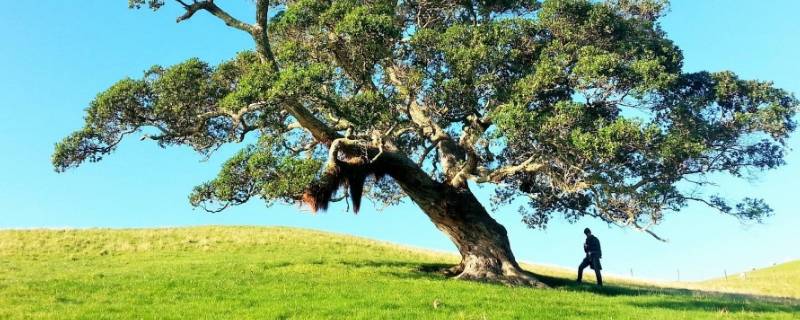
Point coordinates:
[(780, 280), (266, 273)]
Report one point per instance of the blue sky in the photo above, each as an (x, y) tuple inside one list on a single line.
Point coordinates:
[(56, 55)]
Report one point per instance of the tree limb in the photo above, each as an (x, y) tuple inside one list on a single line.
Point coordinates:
[(449, 151), (208, 5), (304, 117), (648, 231), (261, 34), (496, 176)]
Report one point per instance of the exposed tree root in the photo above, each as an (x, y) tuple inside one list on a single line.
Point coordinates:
[(510, 276), (519, 278)]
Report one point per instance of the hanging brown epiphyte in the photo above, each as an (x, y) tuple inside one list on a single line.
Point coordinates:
[(351, 174)]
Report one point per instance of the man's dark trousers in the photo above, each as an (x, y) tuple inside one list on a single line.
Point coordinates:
[(592, 259)]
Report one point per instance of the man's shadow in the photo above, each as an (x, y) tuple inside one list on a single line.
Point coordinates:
[(669, 298)]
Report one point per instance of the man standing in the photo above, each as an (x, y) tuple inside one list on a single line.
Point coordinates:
[(593, 255)]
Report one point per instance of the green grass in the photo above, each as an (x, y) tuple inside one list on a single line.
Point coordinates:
[(781, 280), (265, 273)]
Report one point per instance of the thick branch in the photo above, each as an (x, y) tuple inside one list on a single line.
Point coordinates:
[(208, 5), (237, 120), (305, 118), (473, 129), (450, 153), (648, 231), (260, 34), (497, 175), (321, 131)]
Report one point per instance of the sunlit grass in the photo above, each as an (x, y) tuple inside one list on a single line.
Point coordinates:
[(265, 273), (781, 280)]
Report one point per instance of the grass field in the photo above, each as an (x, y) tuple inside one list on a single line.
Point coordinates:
[(781, 280), (266, 273)]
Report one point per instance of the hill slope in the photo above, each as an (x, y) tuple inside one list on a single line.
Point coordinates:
[(265, 273), (780, 280)]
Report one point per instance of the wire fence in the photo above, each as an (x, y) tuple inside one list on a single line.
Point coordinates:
[(744, 275)]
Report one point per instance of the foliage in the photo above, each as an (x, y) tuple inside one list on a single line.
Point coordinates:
[(266, 169), (579, 107)]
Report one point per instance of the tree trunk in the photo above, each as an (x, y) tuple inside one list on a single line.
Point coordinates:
[(482, 242)]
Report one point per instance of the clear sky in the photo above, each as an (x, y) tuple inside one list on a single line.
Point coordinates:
[(56, 55)]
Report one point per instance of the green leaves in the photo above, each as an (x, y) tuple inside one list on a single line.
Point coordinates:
[(613, 141), (367, 29), (113, 113), (123, 102), (189, 103), (355, 35), (152, 4), (749, 209), (701, 123), (754, 106), (300, 81), (265, 169), (590, 93), (182, 88), (253, 85), (367, 109), (82, 145), (465, 66)]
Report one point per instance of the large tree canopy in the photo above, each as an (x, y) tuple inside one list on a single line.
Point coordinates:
[(579, 107)]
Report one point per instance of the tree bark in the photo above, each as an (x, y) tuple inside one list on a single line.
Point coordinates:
[(482, 242)]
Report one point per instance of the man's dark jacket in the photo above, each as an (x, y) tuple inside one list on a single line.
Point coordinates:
[(592, 246)]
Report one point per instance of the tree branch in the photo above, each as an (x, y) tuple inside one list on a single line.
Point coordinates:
[(321, 131), (450, 152), (496, 176), (261, 36), (208, 5), (648, 231), (472, 132)]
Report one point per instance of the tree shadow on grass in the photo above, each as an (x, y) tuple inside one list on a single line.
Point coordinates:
[(648, 290), (681, 299), (669, 298), (420, 270)]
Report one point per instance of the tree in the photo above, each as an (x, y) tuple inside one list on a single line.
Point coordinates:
[(577, 107)]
